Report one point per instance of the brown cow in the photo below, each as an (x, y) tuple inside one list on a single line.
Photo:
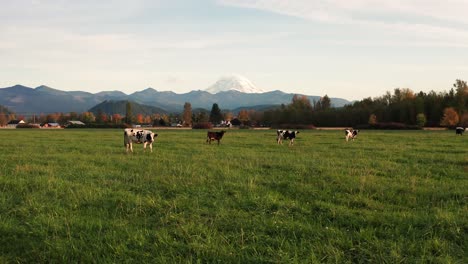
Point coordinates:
[(214, 136)]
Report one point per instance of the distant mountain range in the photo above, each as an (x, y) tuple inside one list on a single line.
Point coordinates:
[(242, 94)]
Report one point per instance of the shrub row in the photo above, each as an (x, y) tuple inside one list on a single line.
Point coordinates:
[(27, 126), (388, 125), (295, 126), (202, 125)]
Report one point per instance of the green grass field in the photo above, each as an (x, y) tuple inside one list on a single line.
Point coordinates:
[(388, 197)]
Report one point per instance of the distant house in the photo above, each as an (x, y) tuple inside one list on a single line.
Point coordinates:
[(14, 123), (51, 125), (75, 123)]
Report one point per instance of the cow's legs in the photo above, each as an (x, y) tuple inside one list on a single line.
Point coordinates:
[(150, 146), (128, 146)]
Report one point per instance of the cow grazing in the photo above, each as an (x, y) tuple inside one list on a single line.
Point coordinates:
[(459, 130), (286, 134), (139, 136), (351, 134), (211, 136)]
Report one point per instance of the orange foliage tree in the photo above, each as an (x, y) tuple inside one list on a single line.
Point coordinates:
[(450, 117)]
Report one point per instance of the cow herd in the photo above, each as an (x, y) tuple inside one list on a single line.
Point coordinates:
[(147, 137)]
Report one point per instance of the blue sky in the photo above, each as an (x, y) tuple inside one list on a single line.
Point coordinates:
[(350, 49)]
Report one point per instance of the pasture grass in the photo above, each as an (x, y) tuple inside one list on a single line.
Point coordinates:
[(388, 197)]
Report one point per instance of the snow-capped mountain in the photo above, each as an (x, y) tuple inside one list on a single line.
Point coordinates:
[(234, 82)]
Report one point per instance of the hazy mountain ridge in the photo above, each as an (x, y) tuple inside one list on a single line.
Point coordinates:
[(44, 99)]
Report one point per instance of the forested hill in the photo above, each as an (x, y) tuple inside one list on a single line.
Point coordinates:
[(111, 107)]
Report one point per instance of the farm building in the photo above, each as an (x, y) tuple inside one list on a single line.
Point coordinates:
[(51, 125), (14, 123), (75, 123)]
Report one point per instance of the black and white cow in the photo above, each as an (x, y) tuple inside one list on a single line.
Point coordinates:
[(132, 135), (286, 134), (459, 130), (351, 134), (212, 136)]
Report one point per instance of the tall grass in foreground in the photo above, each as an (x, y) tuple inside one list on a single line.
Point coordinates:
[(389, 197)]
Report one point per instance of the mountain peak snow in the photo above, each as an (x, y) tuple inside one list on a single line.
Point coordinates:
[(234, 82)]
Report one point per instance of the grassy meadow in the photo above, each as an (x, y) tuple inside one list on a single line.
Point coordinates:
[(388, 197)]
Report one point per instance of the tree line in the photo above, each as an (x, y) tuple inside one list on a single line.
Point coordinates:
[(401, 108)]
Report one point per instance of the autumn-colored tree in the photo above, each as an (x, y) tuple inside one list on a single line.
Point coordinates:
[(52, 118), (147, 119), (139, 118), (187, 115), (407, 94), (243, 116), (164, 121), (228, 116), (464, 120), (156, 116), (63, 118), (300, 102), (105, 118), (116, 118), (88, 117), (421, 119), (450, 117), (3, 119), (372, 119), (461, 96), (402, 94), (101, 117)]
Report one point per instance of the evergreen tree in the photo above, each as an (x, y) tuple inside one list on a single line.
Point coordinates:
[(325, 102), (187, 115), (215, 115), (128, 113)]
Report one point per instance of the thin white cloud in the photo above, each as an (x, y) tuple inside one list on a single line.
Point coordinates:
[(431, 19), (450, 10)]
